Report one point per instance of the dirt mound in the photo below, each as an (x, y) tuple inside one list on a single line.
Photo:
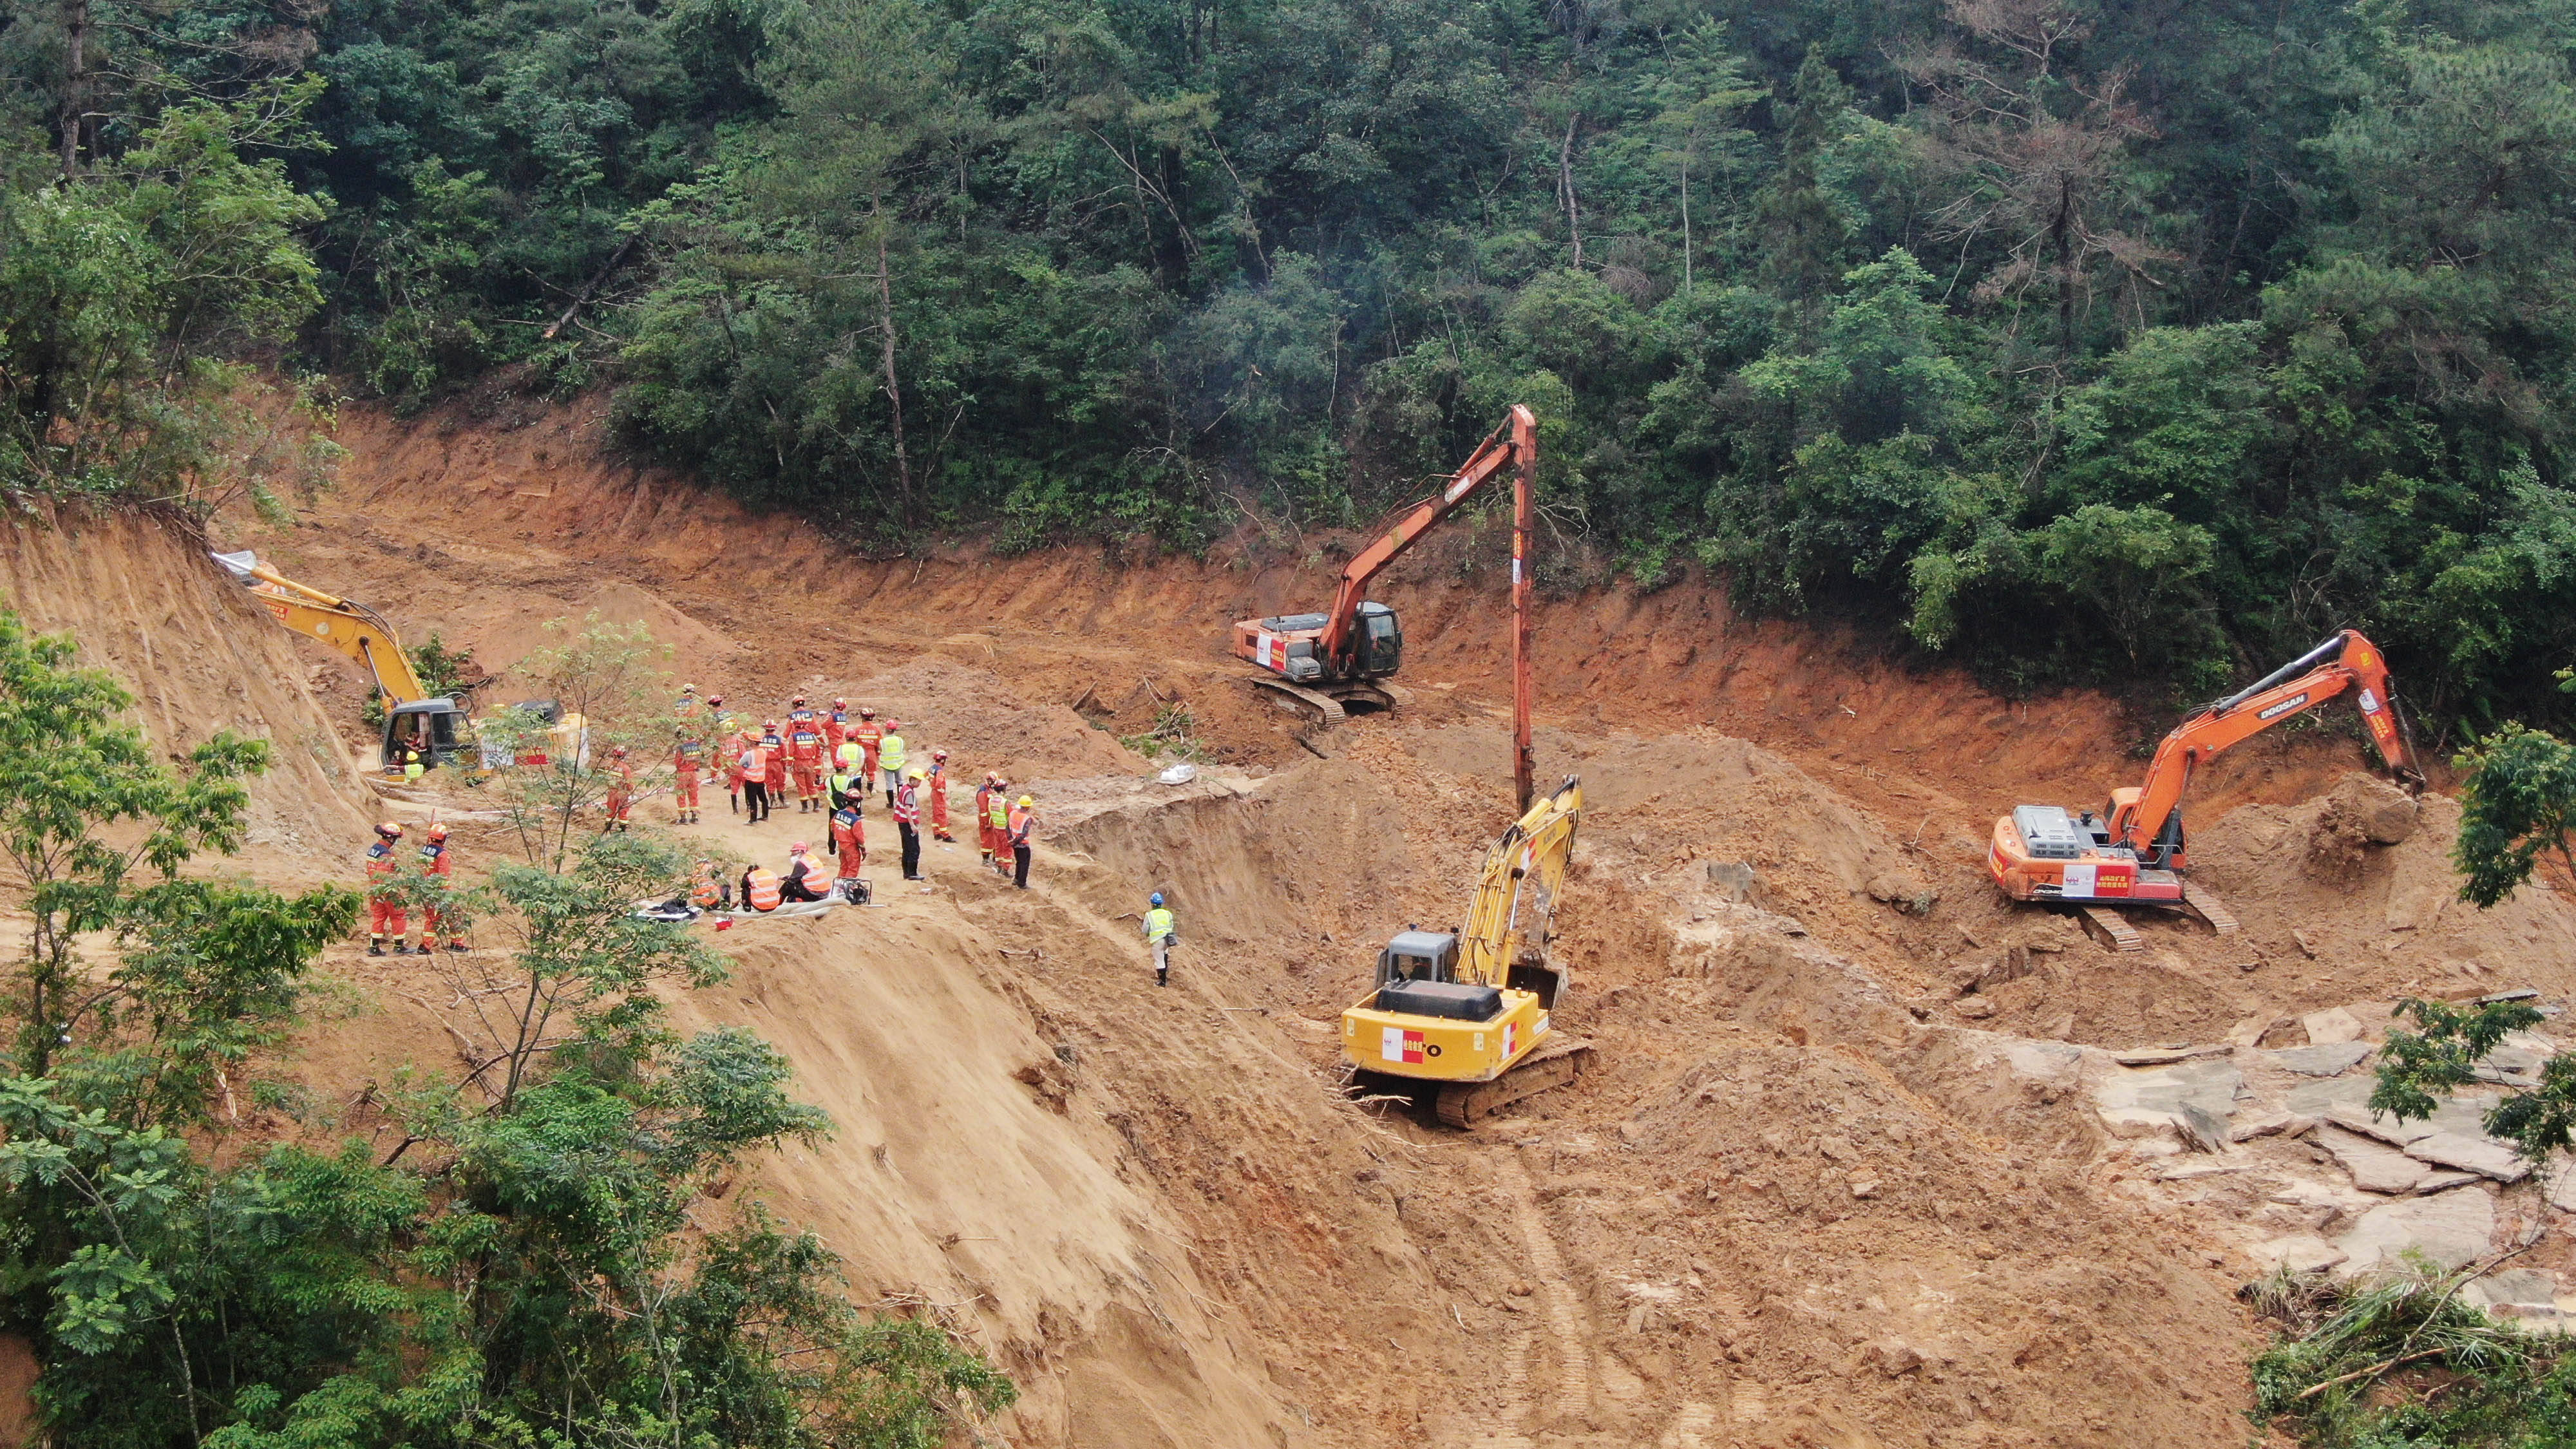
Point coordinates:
[(976, 717), (140, 597)]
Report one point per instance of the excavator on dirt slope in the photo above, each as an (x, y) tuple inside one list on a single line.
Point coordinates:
[(1469, 1010), (1329, 663), (438, 728), (2079, 858)]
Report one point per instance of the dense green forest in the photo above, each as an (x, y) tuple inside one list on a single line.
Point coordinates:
[(2138, 342)]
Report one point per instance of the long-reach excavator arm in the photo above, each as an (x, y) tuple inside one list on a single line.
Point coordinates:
[(1509, 447), (350, 627), (2344, 663), (2133, 850), (1338, 651), (1507, 920)]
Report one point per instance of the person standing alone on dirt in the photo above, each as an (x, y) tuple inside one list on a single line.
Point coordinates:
[(1023, 825), (385, 911), (621, 790), (939, 796), (1160, 932), (907, 821)]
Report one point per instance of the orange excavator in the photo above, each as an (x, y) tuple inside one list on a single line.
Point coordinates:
[(1328, 664), (2132, 852)]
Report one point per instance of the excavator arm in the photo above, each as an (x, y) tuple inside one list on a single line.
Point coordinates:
[(2347, 662), (1514, 445), (352, 628), (1516, 896)]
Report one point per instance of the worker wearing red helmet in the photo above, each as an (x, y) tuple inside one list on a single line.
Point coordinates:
[(836, 724), (869, 734), (850, 844), (385, 912), (621, 790), (438, 863), (939, 795), (805, 758), (775, 749), (688, 758), (806, 879)]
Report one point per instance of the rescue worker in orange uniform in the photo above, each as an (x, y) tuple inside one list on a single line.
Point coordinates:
[(992, 811), (939, 796), (688, 757), (437, 863), (710, 891), (687, 704), (836, 725), (805, 757), (775, 749), (621, 790), (385, 913), (850, 843), (869, 734)]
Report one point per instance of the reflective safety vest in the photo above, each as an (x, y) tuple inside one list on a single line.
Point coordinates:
[(708, 891), (907, 804), (762, 892), (754, 762), (845, 782), (890, 753), (851, 754), (1022, 822), (1158, 923), (809, 870), (999, 812)]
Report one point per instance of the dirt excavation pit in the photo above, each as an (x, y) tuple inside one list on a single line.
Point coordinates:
[(1868, 1158)]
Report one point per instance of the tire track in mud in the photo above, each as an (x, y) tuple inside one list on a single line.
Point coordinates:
[(1573, 1390), (1507, 1432)]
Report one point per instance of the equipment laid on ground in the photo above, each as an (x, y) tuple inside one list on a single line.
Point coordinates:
[(1470, 1010), (438, 728), (2132, 852), (1326, 664)]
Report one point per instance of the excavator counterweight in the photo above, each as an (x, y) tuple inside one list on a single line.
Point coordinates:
[(2133, 851), (1469, 1011)]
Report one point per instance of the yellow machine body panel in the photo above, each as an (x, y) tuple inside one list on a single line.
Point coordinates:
[(1440, 1049)]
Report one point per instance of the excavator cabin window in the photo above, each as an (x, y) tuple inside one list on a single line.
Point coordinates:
[(1384, 641), (1419, 956)]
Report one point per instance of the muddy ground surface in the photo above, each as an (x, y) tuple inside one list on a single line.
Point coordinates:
[(1861, 1162)]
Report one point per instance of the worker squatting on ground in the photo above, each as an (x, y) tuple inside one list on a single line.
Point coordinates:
[(907, 821), (760, 890), (939, 795), (892, 756), (752, 765), (1160, 933), (806, 878), (710, 890), (438, 863), (1023, 827), (385, 911)]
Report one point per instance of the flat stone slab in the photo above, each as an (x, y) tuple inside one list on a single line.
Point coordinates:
[(2375, 1166), (2194, 1097), (2300, 1253), (2480, 1154), (2331, 1026), (2166, 1056), (2447, 1229), (2524, 1292), (2331, 1060)]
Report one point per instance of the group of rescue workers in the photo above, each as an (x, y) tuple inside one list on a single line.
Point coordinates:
[(833, 759)]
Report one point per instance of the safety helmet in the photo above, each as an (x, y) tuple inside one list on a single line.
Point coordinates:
[(688, 689), (1155, 899), (389, 830), (800, 699), (839, 703), (797, 849), (1028, 800), (769, 724), (714, 699), (914, 773), (618, 753), (437, 833), (868, 711), (939, 754)]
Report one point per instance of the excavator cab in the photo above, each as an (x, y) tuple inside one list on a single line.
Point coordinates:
[(436, 728), (1419, 956), (1381, 642)]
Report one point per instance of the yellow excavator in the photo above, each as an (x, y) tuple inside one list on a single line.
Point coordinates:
[(439, 728), (1469, 1010)]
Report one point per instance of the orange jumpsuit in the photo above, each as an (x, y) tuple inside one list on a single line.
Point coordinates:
[(939, 800), (686, 761), (836, 728), (435, 861), (805, 753), (986, 837), (621, 791), (849, 842), (385, 912), (869, 733), (776, 776)]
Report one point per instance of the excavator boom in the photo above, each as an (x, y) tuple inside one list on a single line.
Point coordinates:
[(1513, 444), (2133, 851), (352, 628)]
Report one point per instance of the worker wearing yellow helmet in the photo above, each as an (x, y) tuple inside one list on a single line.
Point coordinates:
[(1023, 826)]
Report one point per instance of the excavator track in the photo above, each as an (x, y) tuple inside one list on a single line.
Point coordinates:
[(1320, 710), (1553, 1065), (2114, 932), (2204, 903)]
